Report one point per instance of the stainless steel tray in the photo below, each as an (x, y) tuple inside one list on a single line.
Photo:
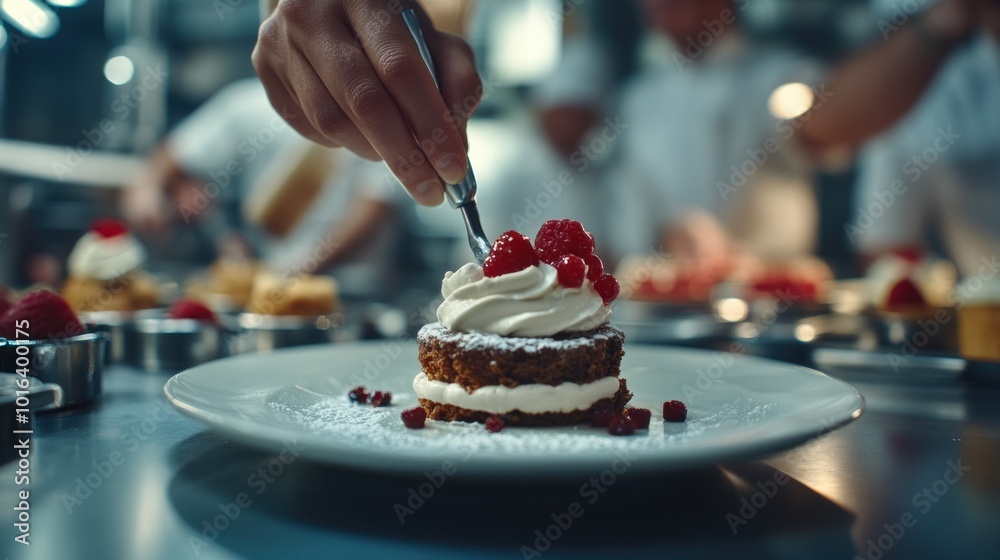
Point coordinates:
[(251, 332), (164, 344)]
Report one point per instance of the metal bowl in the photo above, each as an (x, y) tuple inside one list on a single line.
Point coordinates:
[(252, 332), (935, 332), (75, 364), (162, 344), (118, 325)]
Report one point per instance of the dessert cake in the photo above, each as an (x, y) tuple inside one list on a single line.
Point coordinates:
[(227, 285), (304, 295), (526, 336), (104, 273)]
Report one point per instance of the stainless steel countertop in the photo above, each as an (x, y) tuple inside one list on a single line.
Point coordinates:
[(130, 477)]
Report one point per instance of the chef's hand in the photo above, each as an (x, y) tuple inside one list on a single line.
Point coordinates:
[(348, 73), (700, 244)]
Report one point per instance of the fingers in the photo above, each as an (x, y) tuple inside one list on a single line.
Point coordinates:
[(347, 74), (324, 113), (395, 58), (461, 87), (288, 107)]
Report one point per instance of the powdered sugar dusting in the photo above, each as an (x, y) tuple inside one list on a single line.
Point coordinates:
[(374, 429), (477, 341)]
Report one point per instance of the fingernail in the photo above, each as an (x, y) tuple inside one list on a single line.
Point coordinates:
[(450, 169), (424, 189)]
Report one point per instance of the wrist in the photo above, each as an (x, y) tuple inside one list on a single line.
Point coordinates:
[(940, 32)]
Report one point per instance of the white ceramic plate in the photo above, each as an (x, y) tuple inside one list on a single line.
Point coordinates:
[(738, 408)]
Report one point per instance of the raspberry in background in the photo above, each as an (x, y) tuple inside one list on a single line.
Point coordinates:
[(512, 252), (109, 227), (557, 238), (189, 308), (48, 315), (904, 295)]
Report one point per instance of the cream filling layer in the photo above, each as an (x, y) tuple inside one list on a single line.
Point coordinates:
[(535, 398)]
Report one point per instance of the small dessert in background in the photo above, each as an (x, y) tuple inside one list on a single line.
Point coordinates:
[(228, 284), (661, 278), (802, 280), (48, 315), (304, 295), (979, 319), (525, 338), (190, 308), (104, 271), (935, 278)]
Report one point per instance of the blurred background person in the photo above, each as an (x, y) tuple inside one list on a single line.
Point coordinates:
[(235, 170), (726, 131), (932, 182)]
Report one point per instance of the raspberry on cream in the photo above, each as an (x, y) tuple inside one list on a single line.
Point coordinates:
[(97, 255)]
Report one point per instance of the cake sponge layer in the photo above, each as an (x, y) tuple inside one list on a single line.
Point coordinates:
[(475, 360)]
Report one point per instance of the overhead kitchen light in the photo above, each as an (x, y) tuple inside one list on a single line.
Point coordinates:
[(31, 17), (791, 100), (119, 70)]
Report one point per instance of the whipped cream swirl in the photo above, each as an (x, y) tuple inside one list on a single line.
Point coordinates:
[(530, 302), (105, 258)]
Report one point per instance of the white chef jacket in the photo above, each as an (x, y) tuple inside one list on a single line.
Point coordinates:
[(693, 125), (939, 167)]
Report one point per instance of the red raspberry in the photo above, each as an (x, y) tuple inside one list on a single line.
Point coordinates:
[(570, 271), (904, 295), (674, 411), (621, 426), (608, 288), (414, 418), (109, 227), (49, 317), (381, 398), (595, 268), (601, 418), (562, 237), (494, 424), (512, 252), (358, 394), (640, 416), (187, 308)]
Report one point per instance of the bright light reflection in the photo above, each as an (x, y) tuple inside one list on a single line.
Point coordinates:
[(805, 333), (732, 309), (67, 3), (31, 17), (790, 101), (119, 70)]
